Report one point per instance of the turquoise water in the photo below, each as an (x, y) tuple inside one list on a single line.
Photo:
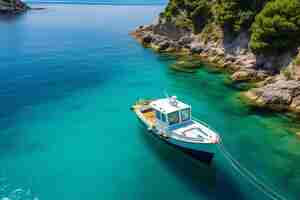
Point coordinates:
[(68, 77)]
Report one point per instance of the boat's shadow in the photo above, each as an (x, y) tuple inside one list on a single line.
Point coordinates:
[(205, 180)]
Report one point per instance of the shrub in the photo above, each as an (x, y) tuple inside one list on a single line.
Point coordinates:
[(196, 13), (200, 15), (237, 14), (297, 60), (276, 27), (287, 73)]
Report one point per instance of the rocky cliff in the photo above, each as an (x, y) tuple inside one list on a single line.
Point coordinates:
[(228, 34), (12, 6)]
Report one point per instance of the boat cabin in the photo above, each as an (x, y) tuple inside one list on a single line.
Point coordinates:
[(170, 112)]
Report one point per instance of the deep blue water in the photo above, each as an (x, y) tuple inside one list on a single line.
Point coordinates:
[(69, 75)]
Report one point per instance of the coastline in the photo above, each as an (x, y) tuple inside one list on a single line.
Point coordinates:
[(272, 89), (13, 7), (71, 105), (63, 2)]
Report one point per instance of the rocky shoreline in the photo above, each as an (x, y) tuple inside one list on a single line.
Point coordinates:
[(276, 88), (13, 7)]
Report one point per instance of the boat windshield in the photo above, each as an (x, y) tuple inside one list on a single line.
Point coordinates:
[(158, 115), (163, 118), (173, 118), (185, 114)]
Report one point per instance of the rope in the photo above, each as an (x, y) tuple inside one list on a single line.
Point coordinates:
[(249, 176), (265, 189)]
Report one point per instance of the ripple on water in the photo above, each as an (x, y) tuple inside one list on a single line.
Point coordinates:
[(9, 192)]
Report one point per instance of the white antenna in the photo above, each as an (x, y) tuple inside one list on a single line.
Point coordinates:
[(172, 99)]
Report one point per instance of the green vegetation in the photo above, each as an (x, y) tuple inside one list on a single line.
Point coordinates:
[(237, 14), (230, 14), (274, 25), (200, 13), (297, 60), (287, 73), (211, 32), (191, 13)]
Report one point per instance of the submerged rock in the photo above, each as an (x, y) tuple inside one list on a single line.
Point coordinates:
[(183, 69), (233, 54), (249, 74), (243, 75), (187, 64)]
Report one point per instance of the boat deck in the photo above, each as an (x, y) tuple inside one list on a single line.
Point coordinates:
[(194, 132), (191, 131), (146, 114), (149, 116)]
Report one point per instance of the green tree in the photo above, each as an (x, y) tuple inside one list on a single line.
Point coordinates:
[(200, 15), (193, 13), (276, 27), (237, 14)]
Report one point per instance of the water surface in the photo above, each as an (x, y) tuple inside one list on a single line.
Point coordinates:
[(68, 77)]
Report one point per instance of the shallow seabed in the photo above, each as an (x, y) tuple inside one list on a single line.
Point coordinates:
[(69, 75)]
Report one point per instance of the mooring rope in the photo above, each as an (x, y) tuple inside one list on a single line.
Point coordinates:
[(261, 186), (269, 192)]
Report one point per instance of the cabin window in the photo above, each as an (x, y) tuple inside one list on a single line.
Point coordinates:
[(158, 115), (185, 115), (173, 118), (163, 118)]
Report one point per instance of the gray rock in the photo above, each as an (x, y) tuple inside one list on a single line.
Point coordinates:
[(185, 40), (277, 95), (147, 38), (249, 74), (230, 58), (295, 105), (163, 45), (196, 47), (260, 74), (175, 45), (169, 29), (219, 52), (157, 39), (243, 75)]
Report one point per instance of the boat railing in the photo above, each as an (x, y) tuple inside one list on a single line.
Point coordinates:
[(206, 125), (202, 122)]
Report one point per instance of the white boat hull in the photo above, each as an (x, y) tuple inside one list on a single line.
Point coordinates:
[(200, 151)]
